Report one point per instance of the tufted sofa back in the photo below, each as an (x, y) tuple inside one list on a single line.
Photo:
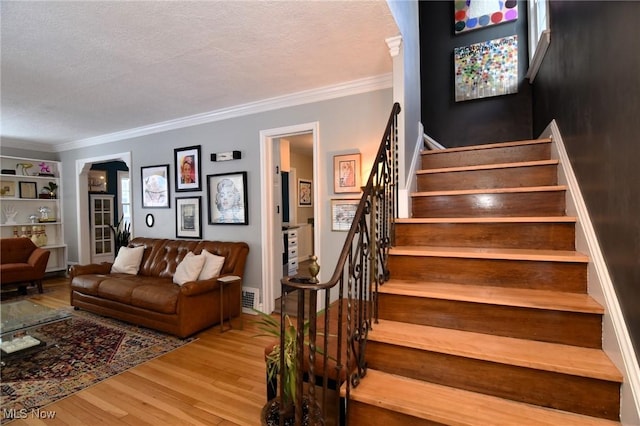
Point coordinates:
[(162, 256)]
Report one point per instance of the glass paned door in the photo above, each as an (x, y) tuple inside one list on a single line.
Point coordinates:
[(102, 244)]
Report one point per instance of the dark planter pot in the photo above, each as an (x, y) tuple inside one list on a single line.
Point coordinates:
[(271, 414)]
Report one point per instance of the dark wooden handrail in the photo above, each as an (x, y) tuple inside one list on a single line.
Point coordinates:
[(332, 353)]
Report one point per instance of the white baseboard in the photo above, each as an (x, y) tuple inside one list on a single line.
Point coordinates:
[(616, 341)]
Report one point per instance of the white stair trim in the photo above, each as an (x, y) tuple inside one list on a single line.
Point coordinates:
[(616, 340)]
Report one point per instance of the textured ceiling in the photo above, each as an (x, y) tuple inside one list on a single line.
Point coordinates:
[(72, 70)]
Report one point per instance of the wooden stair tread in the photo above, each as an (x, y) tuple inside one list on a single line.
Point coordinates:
[(505, 296), (488, 146), (490, 191), (488, 167), (553, 357), (452, 406), (506, 219), (492, 253)]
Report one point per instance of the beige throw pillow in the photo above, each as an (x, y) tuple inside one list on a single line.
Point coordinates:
[(128, 260), (189, 269), (212, 265)]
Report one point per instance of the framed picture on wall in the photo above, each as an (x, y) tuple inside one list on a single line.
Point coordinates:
[(305, 193), (97, 181), (155, 186), (346, 173), (188, 217), (187, 163), (342, 213), (228, 200)]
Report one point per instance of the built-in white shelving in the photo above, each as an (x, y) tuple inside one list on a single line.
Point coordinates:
[(23, 193)]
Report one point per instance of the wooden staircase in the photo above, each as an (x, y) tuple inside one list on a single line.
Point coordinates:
[(486, 319)]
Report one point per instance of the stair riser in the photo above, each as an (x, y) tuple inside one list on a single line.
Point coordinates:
[(550, 236), (513, 154), (511, 177), (541, 275), (509, 204), (362, 414), (554, 390), (580, 329)]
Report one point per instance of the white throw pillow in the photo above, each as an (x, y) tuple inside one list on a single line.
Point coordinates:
[(212, 265), (128, 260), (189, 269)]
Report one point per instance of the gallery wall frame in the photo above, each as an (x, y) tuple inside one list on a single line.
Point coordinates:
[(343, 210), (228, 199), (187, 168), (305, 193), (155, 187), (189, 217), (346, 173)]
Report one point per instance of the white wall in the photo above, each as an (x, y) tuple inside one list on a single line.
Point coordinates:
[(346, 124), (405, 13)]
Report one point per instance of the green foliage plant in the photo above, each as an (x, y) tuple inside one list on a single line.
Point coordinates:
[(121, 232), (271, 327)]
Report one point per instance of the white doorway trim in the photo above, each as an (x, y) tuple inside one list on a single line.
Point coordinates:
[(82, 200), (271, 257)]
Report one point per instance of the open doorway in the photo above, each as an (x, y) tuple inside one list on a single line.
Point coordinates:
[(290, 213), (296, 212), (83, 169)]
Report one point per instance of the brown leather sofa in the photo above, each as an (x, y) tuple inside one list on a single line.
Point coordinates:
[(151, 299), (21, 261)]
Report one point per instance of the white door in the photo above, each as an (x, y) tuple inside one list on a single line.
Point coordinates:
[(102, 239)]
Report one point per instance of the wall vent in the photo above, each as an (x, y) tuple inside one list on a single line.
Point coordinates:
[(250, 299)]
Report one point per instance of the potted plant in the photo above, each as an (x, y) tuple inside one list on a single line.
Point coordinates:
[(52, 187), (121, 233), (271, 411)]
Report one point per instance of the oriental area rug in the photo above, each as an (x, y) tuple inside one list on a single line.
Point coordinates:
[(81, 352)]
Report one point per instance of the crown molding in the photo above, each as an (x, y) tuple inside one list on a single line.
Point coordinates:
[(394, 45), (349, 88)]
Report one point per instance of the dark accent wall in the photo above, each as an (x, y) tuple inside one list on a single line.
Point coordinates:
[(479, 121), (589, 83), (112, 168)]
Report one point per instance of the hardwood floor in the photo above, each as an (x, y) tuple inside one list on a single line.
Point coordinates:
[(217, 380)]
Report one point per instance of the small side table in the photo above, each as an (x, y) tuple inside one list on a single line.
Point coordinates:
[(227, 281)]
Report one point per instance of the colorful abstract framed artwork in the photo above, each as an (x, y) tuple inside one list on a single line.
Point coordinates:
[(486, 69), (475, 14)]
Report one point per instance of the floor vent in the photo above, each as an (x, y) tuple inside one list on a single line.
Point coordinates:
[(250, 299)]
